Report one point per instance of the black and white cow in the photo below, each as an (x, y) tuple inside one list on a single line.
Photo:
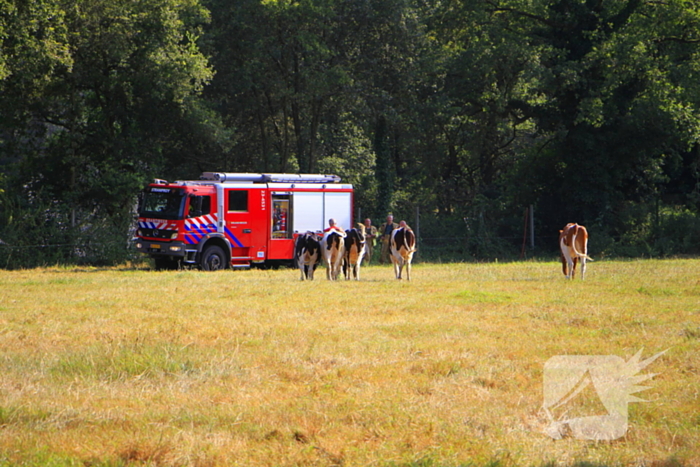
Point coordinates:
[(333, 250), (403, 246), (355, 249), (307, 254)]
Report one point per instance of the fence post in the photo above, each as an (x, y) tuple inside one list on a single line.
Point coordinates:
[(522, 250), (532, 227), (417, 226)]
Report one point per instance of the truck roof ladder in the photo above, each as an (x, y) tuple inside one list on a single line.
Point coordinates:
[(269, 178)]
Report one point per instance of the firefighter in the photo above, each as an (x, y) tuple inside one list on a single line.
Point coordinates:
[(370, 239), (385, 231)]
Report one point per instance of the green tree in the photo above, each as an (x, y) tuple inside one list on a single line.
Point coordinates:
[(612, 99), (107, 116), (480, 131), (301, 79), (587, 106), (281, 77)]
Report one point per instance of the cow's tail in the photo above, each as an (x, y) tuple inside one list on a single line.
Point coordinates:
[(578, 253), (411, 249)]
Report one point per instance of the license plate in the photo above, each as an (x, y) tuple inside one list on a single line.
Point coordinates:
[(155, 246)]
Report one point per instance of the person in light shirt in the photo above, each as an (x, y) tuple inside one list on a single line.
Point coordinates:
[(333, 226)]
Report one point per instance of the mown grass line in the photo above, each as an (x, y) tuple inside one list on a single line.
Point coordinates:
[(127, 366)]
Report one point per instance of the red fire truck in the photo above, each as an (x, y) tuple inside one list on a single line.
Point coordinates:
[(237, 219)]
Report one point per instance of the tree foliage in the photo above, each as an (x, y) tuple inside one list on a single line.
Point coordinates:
[(470, 111), (98, 96)]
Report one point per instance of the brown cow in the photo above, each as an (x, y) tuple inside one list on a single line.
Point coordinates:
[(573, 242), (403, 246)]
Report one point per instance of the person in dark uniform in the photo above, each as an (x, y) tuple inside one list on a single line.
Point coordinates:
[(385, 231), (370, 239)]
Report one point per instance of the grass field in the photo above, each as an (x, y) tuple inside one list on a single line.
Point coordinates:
[(255, 368)]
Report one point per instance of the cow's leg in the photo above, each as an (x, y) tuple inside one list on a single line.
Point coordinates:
[(574, 261), (566, 255), (311, 268), (584, 249), (570, 264), (337, 265), (316, 262), (408, 270), (336, 269), (396, 267)]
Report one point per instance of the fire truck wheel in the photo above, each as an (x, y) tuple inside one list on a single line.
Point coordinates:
[(213, 259)]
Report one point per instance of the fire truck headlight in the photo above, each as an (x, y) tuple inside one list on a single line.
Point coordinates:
[(175, 248), (139, 246)]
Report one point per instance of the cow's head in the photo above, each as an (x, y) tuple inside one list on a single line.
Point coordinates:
[(361, 232)]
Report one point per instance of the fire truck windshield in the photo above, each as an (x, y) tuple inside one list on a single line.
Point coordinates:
[(163, 203)]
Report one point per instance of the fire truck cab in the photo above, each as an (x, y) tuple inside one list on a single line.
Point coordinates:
[(237, 219)]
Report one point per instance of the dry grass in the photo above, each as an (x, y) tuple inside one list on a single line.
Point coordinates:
[(121, 367)]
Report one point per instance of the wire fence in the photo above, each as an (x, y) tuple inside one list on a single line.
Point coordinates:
[(466, 248), (443, 249), (47, 254)]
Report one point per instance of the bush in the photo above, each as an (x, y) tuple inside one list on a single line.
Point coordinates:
[(36, 234)]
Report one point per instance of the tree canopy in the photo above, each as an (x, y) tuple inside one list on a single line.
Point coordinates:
[(586, 110)]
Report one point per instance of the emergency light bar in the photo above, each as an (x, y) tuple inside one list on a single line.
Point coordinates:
[(270, 178)]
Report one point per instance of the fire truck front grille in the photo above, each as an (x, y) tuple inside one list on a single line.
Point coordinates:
[(157, 233)]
